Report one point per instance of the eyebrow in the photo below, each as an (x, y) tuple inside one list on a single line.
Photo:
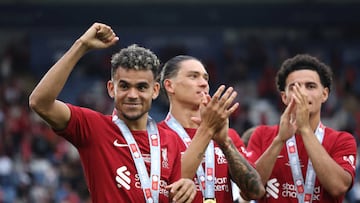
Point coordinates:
[(305, 83), (136, 84), (197, 72)]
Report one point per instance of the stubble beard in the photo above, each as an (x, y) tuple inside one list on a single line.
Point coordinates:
[(132, 117)]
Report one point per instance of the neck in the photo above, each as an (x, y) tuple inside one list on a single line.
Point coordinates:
[(314, 121), (183, 115)]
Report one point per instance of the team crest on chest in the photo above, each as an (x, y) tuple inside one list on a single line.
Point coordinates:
[(164, 155), (220, 156)]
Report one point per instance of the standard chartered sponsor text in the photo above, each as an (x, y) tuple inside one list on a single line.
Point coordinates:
[(288, 190)]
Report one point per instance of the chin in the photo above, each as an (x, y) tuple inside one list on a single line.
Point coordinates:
[(132, 116)]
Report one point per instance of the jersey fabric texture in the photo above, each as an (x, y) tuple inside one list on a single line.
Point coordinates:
[(223, 189), (107, 162), (341, 146)]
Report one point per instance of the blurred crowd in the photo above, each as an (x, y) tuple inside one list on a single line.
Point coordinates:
[(38, 166)]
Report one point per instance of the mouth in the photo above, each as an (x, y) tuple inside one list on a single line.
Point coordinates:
[(132, 104)]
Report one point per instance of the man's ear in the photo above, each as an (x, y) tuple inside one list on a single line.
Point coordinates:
[(168, 85), (110, 88), (284, 98), (325, 94), (156, 90)]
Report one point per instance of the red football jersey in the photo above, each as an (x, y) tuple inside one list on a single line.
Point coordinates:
[(223, 189), (108, 165), (341, 146)]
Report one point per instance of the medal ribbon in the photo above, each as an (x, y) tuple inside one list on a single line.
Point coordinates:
[(150, 185), (304, 191), (206, 181)]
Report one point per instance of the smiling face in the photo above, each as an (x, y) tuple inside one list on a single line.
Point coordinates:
[(189, 84), (310, 85), (133, 92)]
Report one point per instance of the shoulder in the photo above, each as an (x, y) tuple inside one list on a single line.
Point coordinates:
[(169, 138), (164, 129), (340, 136), (82, 111), (233, 134), (332, 132), (265, 133), (235, 137), (266, 129), (162, 124)]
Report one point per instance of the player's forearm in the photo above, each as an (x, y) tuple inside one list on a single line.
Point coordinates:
[(242, 173), (195, 152), (52, 83), (326, 167), (265, 163), (340, 180)]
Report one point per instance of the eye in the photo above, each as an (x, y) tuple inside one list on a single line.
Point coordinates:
[(193, 76), (142, 87), (123, 86), (311, 86), (206, 77)]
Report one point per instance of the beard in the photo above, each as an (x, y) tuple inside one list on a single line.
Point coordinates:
[(132, 117)]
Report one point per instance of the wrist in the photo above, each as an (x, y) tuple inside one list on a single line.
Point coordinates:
[(279, 141), (225, 144), (81, 45), (205, 131), (305, 131)]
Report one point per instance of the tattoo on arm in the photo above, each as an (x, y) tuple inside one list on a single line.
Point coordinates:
[(242, 173)]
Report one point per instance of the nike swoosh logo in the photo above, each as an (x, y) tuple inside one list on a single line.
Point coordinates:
[(116, 144)]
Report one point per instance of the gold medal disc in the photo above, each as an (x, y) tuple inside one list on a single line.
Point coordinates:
[(209, 201)]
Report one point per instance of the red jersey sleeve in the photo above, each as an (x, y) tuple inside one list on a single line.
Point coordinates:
[(260, 140), (240, 145), (343, 151), (80, 126), (235, 137)]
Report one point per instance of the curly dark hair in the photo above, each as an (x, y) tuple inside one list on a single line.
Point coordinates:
[(137, 58), (301, 62)]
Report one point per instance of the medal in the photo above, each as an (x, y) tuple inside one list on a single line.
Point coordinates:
[(209, 200)]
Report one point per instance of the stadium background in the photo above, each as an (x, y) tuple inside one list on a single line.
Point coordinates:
[(242, 43)]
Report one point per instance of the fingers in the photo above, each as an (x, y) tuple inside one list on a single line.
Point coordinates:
[(196, 120), (299, 96), (98, 36), (302, 107), (105, 33), (204, 101), (218, 93), (218, 108), (229, 101), (182, 190), (232, 108), (226, 100)]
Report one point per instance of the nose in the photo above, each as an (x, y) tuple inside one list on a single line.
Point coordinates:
[(204, 82), (133, 93)]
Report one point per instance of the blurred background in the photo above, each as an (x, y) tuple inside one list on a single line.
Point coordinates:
[(241, 42)]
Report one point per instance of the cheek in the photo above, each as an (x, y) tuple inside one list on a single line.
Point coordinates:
[(118, 96), (148, 97), (286, 98)]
